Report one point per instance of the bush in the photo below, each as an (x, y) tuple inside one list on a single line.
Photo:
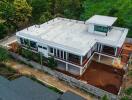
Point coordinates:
[(125, 98), (4, 55), (128, 91), (105, 97), (52, 63), (2, 31)]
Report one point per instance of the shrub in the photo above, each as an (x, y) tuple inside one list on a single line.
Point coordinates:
[(2, 31), (4, 55), (105, 97), (128, 91), (125, 98), (51, 62)]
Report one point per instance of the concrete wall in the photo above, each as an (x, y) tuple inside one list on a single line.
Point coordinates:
[(70, 80), (128, 40)]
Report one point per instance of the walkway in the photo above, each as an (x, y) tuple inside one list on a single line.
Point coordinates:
[(47, 79)]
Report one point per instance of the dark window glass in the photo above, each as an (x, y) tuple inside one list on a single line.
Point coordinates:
[(21, 40), (64, 55), (51, 50), (55, 52), (33, 44), (39, 46), (45, 48), (58, 53), (101, 28), (26, 42)]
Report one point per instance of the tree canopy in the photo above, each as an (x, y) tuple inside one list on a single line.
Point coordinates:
[(17, 14)]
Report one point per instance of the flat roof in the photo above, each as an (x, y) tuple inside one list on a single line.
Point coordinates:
[(71, 35), (102, 20)]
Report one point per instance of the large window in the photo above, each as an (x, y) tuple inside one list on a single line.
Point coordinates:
[(33, 44), (101, 28), (21, 40), (26, 42), (51, 50)]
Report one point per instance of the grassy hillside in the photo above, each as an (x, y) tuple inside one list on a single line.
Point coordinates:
[(120, 8)]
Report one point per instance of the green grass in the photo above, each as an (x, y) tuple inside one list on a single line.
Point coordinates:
[(125, 98)]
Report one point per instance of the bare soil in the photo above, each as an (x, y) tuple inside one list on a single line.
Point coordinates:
[(103, 76)]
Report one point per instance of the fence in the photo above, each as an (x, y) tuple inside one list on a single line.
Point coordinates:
[(70, 80)]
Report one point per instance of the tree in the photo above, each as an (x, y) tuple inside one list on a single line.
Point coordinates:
[(52, 63), (23, 12), (38, 8), (4, 56), (2, 30), (46, 16), (7, 12)]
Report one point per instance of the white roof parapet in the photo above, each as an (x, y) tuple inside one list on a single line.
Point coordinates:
[(102, 20)]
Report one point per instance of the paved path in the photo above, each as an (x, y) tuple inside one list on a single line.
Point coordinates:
[(4, 42), (47, 79)]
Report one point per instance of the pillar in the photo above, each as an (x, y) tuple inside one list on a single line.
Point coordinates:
[(80, 71), (99, 57), (116, 51), (81, 61)]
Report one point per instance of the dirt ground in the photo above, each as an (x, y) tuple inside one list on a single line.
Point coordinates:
[(103, 76)]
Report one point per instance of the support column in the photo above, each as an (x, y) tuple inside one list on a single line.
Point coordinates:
[(66, 56), (80, 71), (101, 48), (81, 61), (99, 57), (116, 51)]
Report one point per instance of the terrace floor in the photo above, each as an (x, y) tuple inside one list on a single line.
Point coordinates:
[(103, 76)]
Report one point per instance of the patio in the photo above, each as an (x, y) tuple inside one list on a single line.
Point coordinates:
[(103, 76)]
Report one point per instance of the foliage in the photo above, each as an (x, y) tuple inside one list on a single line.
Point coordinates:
[(38, 8), (29, 54), (46, 16), (51, 62), (4, 55), (2, 30), (105, 97), (22, 12), (125, 98), (128, 91)]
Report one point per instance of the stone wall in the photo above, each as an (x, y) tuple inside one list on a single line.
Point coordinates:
[(70, 80)]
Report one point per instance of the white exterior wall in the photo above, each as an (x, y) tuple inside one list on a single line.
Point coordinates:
[(43, 51)]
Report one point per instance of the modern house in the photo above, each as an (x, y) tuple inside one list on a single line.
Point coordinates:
[(73, 42)]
